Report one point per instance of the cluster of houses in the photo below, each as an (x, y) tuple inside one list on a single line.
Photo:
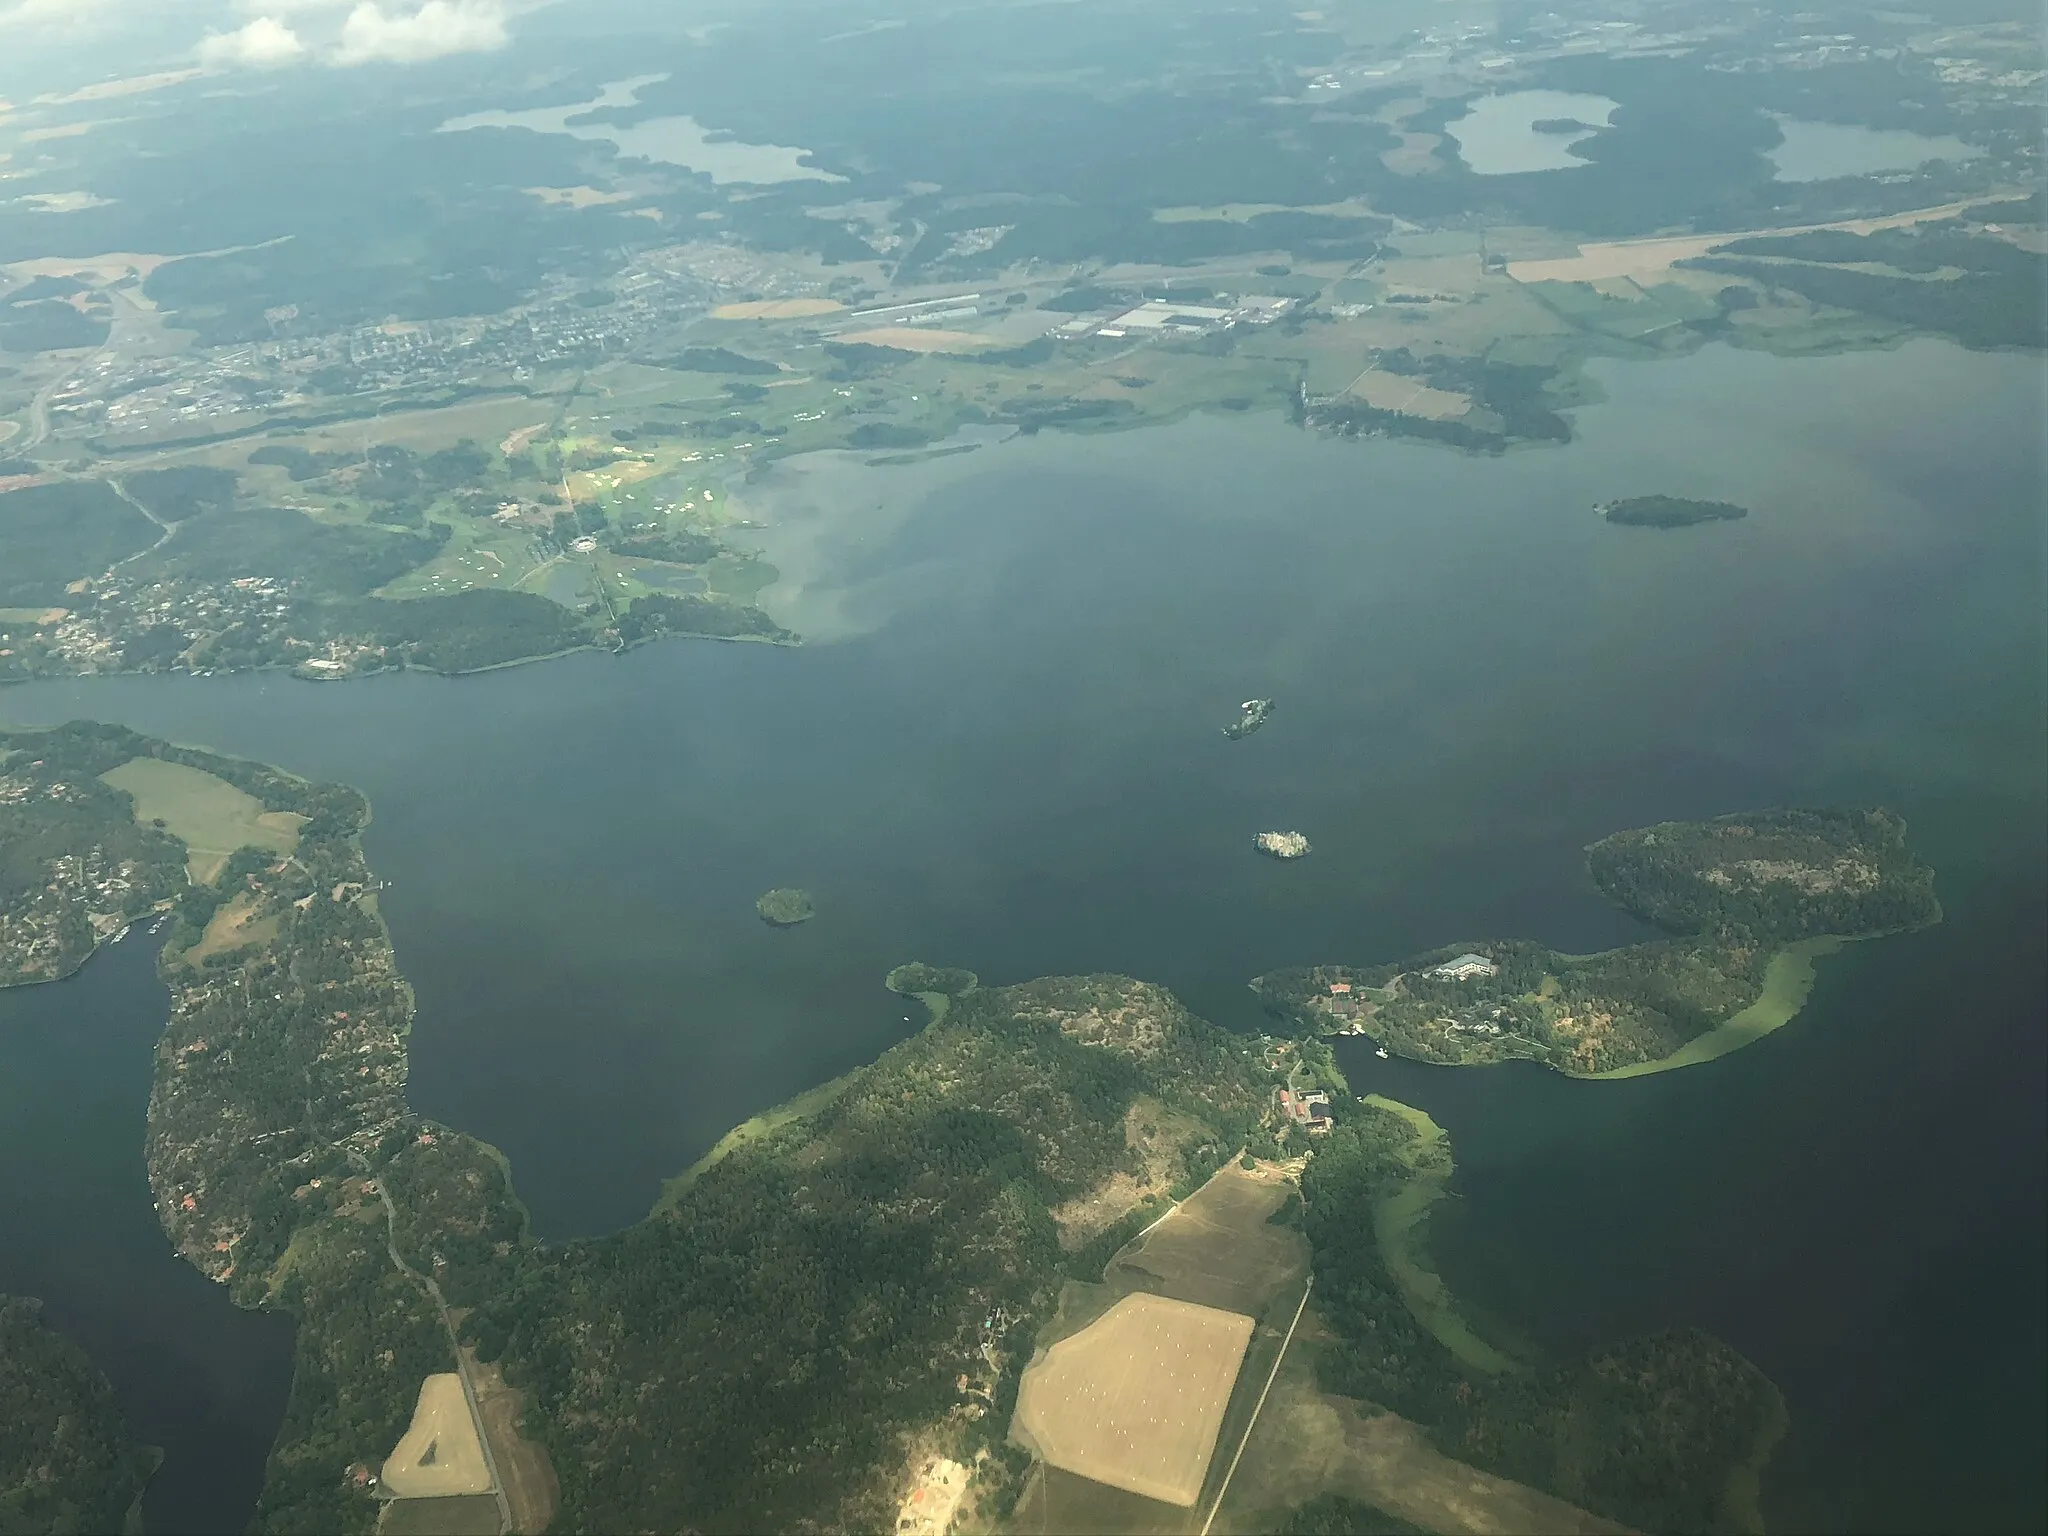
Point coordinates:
[(1310, 1109)]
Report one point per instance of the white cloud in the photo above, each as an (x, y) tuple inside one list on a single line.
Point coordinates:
[(435, 30), (264, 43)]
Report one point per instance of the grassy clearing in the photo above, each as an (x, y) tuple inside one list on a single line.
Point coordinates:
[(1788, 981), (1307, 1443), (1218, 1248), (763, 1125), (208, 815), (235, 926), (1397, 1223)]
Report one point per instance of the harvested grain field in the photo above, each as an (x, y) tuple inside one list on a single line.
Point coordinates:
[(1136, 1399), (440, 1452), (776, 309), (1410, 397), (917, 338), (1218, 1248)]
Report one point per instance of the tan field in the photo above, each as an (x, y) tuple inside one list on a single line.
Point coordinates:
[(92, 269), (37, 616), (1136, 1399), (576, 197), (914, 338), (1218, 1249), (1640, 258), (235, 926), (776, 309), (208, 815), (1411, 397), (440, 1452)]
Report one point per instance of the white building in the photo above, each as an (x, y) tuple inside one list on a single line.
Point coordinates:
[(1465, 967)]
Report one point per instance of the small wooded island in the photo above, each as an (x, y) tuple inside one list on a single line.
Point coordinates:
[(785, 907), (1668, 511), (1751, 902), (1562, 125)]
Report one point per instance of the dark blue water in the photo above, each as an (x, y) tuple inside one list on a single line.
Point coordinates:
[(1010, 760), (195, 1376)]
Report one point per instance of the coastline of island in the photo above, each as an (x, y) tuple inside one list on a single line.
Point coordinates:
[(1748, 903)]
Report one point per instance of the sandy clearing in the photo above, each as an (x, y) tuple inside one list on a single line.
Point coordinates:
[(1637, 258), (440, 1452), (776, 309), (914, 338), (97, 269), (1136, 1399)]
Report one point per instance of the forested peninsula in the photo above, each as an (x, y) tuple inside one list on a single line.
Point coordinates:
[(818, 1312), (1750, 901), (66, 1462)]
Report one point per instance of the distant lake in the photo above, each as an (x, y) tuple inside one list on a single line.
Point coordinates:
[(1005, 752), (1497, 135), (670, 140), (1818, 151)]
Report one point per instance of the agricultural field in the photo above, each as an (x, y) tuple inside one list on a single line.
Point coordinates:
[(1136, 1399), (441, 1453), (208, 815), (472, 1514)]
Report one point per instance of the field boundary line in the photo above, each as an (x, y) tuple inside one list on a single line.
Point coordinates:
[(1259, 1407)]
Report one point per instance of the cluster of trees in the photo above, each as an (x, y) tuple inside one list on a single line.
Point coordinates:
[(469, 631), (181, 492), (655, 614), (53, 535), (66, 1462), (1648, 1433), (301, 463), (1769, 877), (1996, 298), (718, 360), (751, 1358)]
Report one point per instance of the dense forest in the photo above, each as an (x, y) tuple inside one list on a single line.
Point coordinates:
[(66, 1462), (749, 1359), (1982, 290), (1650, 1433), (1769, 876)]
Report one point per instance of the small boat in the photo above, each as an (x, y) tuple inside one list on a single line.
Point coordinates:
[(119, 936), (1381, 1053)]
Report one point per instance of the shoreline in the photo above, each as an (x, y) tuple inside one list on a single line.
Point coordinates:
[(1397, 1219)]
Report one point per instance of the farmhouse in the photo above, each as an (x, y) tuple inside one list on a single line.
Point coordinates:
[(1465, 967)]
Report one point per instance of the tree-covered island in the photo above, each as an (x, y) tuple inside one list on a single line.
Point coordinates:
[(785, 907), (812, 1316), (1668, 511), (1750, 902)]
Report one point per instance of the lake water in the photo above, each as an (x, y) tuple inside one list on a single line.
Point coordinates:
[(1009, 759), (669, 140), (1818, 151), (1497, 135)]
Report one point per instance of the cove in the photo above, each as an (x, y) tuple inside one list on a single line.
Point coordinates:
[(195, 1376), (1003, 751)]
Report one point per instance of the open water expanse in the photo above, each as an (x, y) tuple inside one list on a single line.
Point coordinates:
[(1008, 757)]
